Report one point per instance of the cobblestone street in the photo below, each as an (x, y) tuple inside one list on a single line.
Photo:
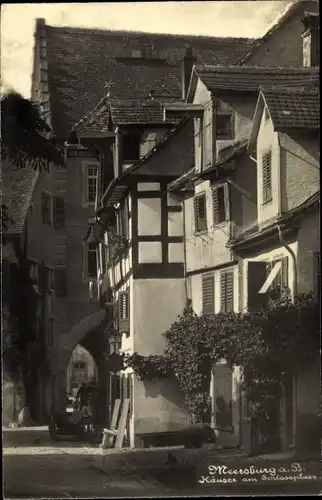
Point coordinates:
[(73, 470)]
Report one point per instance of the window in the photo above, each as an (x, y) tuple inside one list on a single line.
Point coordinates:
[(280, 282), (131, 148), (79, 365), (34, 271), (92, 260), (220, 204), (123, 219), (59, 212), (227, 291), (267, 176), (124, 312), (208, 299), (200, 212), (224, 122), (46, 208), (90, 184)]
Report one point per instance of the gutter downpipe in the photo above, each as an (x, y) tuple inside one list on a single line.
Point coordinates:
[(294, 297), (184, 251)]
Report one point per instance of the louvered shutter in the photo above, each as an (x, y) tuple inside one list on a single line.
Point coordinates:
[(200, 213), (267, 176), (215, 205), (60, 282), (124, 312), (208, 299), (227, 291), (256, 277), (59, 212)]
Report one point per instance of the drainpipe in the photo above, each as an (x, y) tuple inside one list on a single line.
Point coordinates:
[(295, 294), (184, 250)]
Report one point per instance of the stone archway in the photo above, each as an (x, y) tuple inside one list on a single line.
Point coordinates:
[(90, 334)]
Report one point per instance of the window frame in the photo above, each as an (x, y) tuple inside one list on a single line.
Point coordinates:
[(131, 137), (208, 308), (86, 177), (267, 192), (87, 251), (281, 281), (226, 203), (199, 228), (83, 363), (45, 194), (222, 273), (230, 114)]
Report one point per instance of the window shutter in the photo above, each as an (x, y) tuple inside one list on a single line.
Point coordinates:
[(59, 212), (215, 205), (227, 201), (267, 176), (227, 291), (200, 213), (124, 312), (208, 296), (116, 315), (60, 282), (257, 273)]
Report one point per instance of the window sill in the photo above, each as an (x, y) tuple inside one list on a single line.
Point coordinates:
[(266, 202)]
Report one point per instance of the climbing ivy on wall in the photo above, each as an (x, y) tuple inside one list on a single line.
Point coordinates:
[(267, 345)]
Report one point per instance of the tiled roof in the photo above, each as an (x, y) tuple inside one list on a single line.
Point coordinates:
[(285, 17), (293, 108), (251, 78), (17, 189), (184, 179), (127, 111), (81, 64), (257, 232)]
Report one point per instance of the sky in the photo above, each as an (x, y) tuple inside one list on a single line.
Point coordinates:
[(219, 18)]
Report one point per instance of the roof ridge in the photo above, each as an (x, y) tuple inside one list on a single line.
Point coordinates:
[(103, 31), (263, 69)]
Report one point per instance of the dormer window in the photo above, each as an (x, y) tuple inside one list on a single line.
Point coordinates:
[(131, 148), (224, 122)]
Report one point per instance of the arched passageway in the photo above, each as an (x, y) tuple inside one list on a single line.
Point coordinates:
[(91, 335), (81, 369)]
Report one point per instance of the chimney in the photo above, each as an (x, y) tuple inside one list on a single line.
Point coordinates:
[(311, 39), (187, 65)]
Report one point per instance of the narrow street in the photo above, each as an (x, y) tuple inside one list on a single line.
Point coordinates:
[(73, 470)]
